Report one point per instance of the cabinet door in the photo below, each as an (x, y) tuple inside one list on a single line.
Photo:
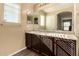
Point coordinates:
[(36, 42), (65, 47), (46, 45), (28, 40)]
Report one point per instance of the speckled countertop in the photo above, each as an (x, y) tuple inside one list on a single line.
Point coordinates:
[(60, 34)]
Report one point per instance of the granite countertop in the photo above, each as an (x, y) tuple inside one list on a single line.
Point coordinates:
[(55, 34)]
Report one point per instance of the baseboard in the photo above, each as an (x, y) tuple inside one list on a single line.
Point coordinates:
[(17, 51)]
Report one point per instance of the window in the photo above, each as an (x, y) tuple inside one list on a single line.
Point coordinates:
[(12, 13), (42, 20), (67, 25)]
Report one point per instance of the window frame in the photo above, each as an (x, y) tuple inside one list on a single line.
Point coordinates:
[(70, 21), (19, 15)]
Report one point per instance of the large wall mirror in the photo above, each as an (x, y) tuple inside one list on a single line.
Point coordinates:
[(54, 19), (61, 21)]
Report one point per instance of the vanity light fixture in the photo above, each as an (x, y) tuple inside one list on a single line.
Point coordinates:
[(28, 11)]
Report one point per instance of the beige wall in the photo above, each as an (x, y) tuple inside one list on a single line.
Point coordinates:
[(77, 24), (77, 20), (11, 36), (11, 39)]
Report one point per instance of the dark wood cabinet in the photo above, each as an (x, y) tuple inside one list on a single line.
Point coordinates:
[(39, 43), (46, 45), (52, 46), (35, 43), (65, 47), (28, 40)]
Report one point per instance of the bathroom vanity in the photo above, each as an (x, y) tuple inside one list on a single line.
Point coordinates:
[(51, 44), (59, 36)]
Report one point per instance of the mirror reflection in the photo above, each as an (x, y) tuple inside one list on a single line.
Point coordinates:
[(64, 21), (53, 18)]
